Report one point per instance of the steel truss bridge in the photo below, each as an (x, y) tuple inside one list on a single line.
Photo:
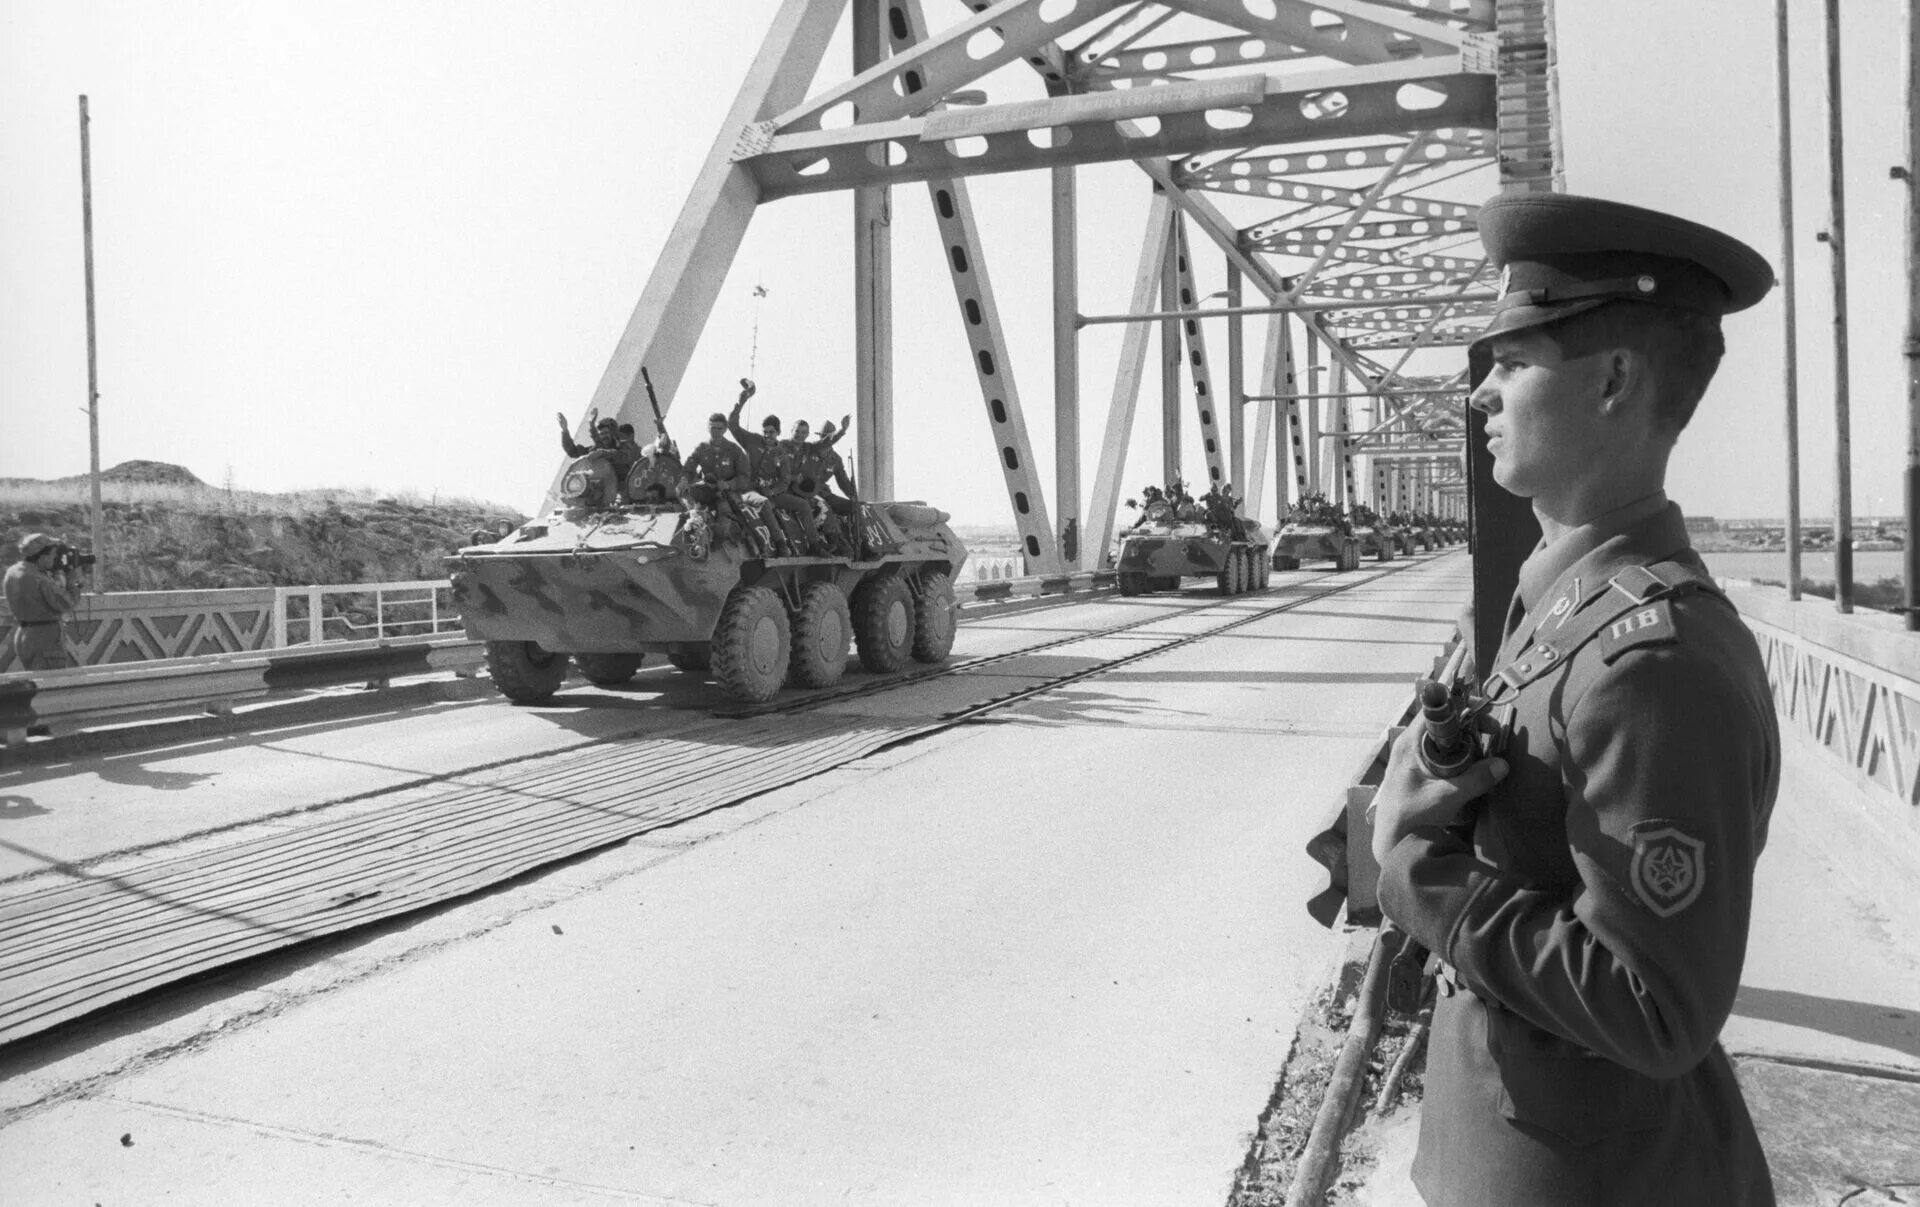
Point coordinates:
[(1328, 152)]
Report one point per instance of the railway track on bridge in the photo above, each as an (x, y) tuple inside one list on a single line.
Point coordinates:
[(70, 950)]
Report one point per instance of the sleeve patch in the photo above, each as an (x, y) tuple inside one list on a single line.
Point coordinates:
[(1650, 625), (1669, 868)]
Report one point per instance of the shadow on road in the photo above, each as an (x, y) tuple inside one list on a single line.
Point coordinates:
[(1892, 1027)]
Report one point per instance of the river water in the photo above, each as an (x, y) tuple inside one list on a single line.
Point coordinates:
[(1868, 567)]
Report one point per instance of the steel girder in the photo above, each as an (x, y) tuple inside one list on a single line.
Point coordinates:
[(1337, 133)]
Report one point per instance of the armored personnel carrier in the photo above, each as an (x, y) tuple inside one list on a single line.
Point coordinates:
[(1316, 530), (604, 583), (1378, 540), (1178, 537)]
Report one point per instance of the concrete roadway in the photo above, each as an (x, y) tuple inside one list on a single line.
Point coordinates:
[(1055, 957)]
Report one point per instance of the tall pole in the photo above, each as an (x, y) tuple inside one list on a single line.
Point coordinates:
[(93, 365), (1913, 318), (1837, 238), (1789, 338), (1066, 364)]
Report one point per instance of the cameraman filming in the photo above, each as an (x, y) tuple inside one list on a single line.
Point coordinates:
[(38, 599)]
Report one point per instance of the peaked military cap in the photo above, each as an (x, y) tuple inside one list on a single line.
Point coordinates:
[(1562, 255)]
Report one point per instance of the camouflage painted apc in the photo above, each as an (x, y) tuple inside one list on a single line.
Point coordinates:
[(1316, 530), (1178, 537), (1377, 538), (604, 584)]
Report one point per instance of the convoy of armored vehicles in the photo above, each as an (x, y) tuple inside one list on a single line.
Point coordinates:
[(604, 582)]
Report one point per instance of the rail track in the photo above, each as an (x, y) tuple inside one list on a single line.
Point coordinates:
[(72, 949)]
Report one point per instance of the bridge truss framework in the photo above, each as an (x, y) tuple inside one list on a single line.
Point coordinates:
[(1330, 152)]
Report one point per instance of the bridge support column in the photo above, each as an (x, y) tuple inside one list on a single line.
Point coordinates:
[(872, 295)]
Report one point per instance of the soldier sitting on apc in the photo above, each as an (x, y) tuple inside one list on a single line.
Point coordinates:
[(772, 466), (718, 465)]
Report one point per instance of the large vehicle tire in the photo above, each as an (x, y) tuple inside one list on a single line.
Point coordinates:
[(1132, 582), (1224, 579), (608, 670), (1386, 552), (936, 616), (1350, 556), (822, 635), (525, 673), (1265, 567), (883, 624), (1236, 571), (694, 662), (1285, 561), (752, 644), (1165, 582)]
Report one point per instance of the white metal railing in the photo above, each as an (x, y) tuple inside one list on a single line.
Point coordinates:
[(363, 612)]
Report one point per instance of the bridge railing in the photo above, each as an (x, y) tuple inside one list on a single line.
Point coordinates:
[(190, 651), (1847, 686), (363, 611)]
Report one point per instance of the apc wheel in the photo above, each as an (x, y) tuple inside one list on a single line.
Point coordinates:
[(608, 670), (1166, 582), (1282, 561), (1349, 556), (935, 617), (525, 673), (1385, 554), (883, 624), (1263, 568), (752, 644), (1133, 583), (822, 634), (694, 662)]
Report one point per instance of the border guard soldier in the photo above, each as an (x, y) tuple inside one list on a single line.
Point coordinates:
[(1588, 894)]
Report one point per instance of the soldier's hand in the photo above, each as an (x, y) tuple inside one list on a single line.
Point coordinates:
[(846, 421), (747, 388), (562, 417), (1410, 797)]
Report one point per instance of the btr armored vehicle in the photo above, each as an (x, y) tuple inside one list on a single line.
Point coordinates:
[(1316, 531), (1177, 537), (1378, 540), (604, 582)]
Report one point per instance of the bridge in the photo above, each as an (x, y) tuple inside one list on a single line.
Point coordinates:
[(296, 908)]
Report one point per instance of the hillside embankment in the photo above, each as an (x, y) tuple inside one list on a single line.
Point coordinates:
[(165, 530)]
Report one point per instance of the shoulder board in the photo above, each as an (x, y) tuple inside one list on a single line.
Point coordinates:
[(1649, 625)]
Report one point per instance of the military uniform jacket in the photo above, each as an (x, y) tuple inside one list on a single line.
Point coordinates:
[(770, 462), (819, 462), (720, 462), (33, 596), (1596, 922)]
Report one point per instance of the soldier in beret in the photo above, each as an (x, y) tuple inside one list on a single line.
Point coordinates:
[(1588, 894)]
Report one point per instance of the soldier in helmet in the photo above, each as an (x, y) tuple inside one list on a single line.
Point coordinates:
[(1589, 892)]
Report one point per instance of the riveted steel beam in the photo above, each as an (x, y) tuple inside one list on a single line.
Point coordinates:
[(1105, 501), (1206, 405), (1174, 119), (980, 316), (1156, 61), (916, 78), (1341, 30)]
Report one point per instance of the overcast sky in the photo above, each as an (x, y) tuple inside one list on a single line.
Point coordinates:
[(379, 244)]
